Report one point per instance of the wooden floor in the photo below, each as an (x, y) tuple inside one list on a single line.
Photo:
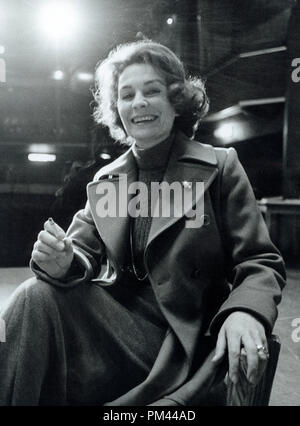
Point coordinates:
[(286, 387)]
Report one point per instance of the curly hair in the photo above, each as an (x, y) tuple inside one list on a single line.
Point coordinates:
[(186, 94)]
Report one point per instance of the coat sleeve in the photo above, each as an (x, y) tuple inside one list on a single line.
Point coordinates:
[(255, 267), (89, 251)]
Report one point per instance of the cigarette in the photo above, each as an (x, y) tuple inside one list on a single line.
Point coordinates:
[(54, 229)]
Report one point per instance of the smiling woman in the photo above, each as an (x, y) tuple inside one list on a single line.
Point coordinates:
[(164, 81), (143, 105), (142, 309)]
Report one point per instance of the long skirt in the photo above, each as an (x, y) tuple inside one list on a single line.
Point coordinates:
[(84, 345)]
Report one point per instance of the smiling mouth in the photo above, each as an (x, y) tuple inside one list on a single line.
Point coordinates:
[(144, 119)]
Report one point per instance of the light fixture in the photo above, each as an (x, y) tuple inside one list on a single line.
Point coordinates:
[(41, 148), (105, 156), (170, 21), (224, 114), (85, 76), (58, 75), (225, 131), (58, 19), (39, 157), (2, 50), (231, 131)]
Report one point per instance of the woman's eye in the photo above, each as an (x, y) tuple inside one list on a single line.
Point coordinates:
[(127, 96), (152, 91)]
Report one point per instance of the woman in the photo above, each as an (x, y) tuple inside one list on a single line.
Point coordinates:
[(176, 297)]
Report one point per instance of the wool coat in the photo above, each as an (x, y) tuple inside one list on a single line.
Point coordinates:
[(199, 275)]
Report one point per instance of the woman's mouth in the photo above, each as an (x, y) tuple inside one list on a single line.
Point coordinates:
[(144, 119)]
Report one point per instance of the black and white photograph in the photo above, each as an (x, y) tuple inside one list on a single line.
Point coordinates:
[(149, 206)]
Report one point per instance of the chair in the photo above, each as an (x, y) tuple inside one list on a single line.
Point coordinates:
[(245, 394)]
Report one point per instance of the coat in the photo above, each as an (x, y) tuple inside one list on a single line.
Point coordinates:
[(199, 275)]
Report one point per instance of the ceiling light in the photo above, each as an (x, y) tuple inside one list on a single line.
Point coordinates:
[(41, 148), (105, 156), (230, 132), (58, 75), (225, 131), (41, 157), (58, 19), (2, 50), (85, 76), (170, 21)]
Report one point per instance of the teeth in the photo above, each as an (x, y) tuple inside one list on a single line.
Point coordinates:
[(144, 118)]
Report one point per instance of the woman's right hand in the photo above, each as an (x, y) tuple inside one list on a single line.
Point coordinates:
[(52, 251)]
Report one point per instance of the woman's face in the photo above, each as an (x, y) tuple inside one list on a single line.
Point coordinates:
[(143, 105)]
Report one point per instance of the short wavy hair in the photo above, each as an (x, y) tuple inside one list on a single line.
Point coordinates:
[(186, 94)]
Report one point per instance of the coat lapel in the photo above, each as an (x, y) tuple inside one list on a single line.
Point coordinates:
[(113, 180), (190, 162)]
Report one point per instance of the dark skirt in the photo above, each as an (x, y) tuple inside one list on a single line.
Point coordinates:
[(85, 345)]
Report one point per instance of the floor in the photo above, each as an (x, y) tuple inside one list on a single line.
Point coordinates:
[(286, 386)]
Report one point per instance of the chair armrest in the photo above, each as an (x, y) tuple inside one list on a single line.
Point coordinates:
[(244, 393)]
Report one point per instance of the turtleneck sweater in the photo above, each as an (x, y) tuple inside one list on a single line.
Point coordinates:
[(151, 165)]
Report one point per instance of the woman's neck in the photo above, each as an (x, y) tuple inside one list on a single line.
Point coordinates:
[(154, 157)]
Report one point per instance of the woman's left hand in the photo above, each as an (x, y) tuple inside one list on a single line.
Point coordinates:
[(241, 329)]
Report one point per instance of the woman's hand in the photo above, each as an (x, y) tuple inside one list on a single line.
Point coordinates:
[(52, 251), (241, 329)]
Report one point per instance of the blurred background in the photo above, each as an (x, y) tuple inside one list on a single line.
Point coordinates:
[(49, 146)]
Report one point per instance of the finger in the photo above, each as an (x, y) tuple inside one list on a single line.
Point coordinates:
[(68, 244), (220, 347), (51, 241), (252, 358), (39, 257), (44, 248), (54, 229), (263, 356), (234, 348), (262, 346), (262, 364)]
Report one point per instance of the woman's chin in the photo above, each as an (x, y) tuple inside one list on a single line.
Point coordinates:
[(147, 140)]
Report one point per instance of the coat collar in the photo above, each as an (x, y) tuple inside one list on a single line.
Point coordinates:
[(184, 149), (190, 161)]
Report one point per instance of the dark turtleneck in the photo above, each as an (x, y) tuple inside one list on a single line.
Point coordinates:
[(151, 165), (155, 157)]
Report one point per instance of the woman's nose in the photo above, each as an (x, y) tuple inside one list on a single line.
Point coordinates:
[(139, 101)]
